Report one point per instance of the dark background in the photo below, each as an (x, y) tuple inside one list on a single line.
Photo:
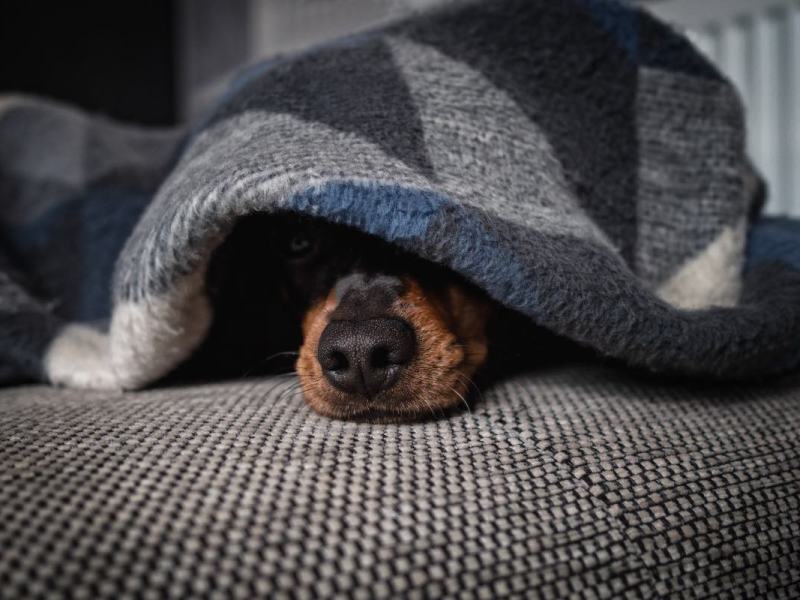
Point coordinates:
[(115, 57)]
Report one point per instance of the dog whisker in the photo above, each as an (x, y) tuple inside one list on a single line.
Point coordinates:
[(468, 380), (264, 361), (463, 400), (429, 405), (278, 355), (290, 390)]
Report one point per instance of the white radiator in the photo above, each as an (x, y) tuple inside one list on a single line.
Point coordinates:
[(757, 44)]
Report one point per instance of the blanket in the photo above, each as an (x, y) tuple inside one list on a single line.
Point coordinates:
[(578, 160)]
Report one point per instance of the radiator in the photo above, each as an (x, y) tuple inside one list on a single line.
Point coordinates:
[(756, 43)]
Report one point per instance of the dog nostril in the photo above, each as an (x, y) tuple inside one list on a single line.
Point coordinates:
[(335, 361), (379, 358)]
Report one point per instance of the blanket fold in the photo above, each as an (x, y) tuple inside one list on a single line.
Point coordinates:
[(578, 160)]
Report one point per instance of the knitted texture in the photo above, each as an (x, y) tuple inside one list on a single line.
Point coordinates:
[(577, 159), (572, 482)]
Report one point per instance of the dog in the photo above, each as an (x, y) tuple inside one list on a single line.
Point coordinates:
[(375, 333)]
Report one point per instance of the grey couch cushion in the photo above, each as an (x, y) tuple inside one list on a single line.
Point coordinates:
[(574, 481)]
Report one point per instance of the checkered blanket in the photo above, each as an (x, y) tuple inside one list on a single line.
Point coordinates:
[(576, 159)]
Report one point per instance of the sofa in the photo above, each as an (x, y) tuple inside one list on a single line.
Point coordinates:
[(578, 480)]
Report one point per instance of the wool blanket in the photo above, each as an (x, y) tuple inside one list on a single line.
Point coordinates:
[(578, 160)]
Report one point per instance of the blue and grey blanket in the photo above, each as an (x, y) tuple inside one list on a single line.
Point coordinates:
[(578, 160)]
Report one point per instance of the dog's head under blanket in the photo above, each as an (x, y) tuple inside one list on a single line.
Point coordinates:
[(577, 160), (373, 332)]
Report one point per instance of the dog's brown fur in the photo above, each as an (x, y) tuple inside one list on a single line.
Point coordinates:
[(450, 327)]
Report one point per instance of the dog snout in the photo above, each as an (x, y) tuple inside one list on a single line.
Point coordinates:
[(364, 296), (365, 356)]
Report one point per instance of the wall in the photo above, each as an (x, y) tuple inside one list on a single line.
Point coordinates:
[(216, 39), (115, 58)]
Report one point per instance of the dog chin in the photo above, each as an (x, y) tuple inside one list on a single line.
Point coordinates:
[(385, 408)]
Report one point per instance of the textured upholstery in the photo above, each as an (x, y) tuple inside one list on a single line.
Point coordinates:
[(574, 481)]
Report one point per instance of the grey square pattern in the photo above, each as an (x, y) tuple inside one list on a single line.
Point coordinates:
[(572, 482)]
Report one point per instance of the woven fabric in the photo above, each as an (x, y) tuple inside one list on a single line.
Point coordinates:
[(577, 482), (578, 160)]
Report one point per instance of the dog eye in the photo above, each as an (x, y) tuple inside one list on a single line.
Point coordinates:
[(300, 245)]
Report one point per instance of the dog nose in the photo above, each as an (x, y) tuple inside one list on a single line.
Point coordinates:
[(365, 356)]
